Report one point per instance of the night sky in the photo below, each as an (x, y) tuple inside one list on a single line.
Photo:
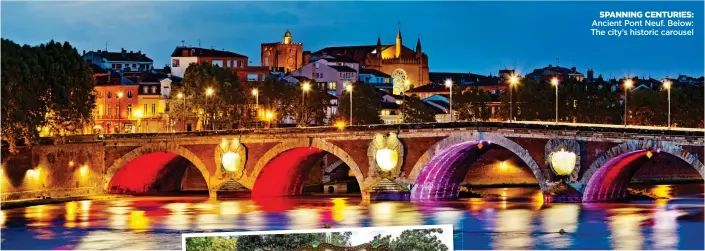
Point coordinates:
[(477, 37)]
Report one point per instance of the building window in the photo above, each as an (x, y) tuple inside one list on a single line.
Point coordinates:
[(154, 89), (144, 90), (317, 65), (129, 109), (110, 95), (119, 66), (134, 66), (266, 60), (332, 85), (107, 112), (154, 108), (129, 94), (145, 108), (175, 63)]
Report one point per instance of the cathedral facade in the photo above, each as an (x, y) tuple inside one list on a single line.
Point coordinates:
[(285, 55), (408, 68)]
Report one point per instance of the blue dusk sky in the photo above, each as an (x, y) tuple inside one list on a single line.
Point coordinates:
[(477, 37)]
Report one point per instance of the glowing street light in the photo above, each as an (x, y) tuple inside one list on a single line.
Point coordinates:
[(119, 96), (513, 80), (667, 86), (255, 93), (209, 92), (349, 88), (449, 84), (83, 170), (305, 87), (340, 125), (180, 95), (627, 84), (554, 82)]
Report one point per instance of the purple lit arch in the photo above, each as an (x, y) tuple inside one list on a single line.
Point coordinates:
[(437, 175), (608, 177)]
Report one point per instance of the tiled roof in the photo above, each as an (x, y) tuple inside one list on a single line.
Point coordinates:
[(202, 52), (341, 59), (432, 88), (374, 72), (440, 77), (342, 68), (344, 50), (124, 56), (113, 79)]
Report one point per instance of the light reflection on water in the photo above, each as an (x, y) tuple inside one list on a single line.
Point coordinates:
[(498, 223)]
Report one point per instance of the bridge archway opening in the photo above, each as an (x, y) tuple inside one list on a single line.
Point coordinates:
[(299, 170), (443, 170), (632, 168), (144, 171)]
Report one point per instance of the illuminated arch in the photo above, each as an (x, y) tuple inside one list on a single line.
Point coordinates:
[(607, 177), (453, 151), (152, 148), (287, 146)]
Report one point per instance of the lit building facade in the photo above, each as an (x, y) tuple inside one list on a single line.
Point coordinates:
[(285, 55), (116, 100)]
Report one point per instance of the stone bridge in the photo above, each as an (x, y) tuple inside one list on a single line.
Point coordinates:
[(414, 161)]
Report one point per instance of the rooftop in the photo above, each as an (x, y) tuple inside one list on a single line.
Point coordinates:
[(202, 52), (123, 55), (342, 68), (374, 72)]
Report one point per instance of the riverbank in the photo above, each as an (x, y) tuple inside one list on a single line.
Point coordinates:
[(46, 201)]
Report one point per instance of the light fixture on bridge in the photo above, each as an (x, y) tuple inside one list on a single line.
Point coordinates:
[(649, 154), (563, 162), (34, 173), (386, 159), (71, 163), (503, 165), (231, 154), (340, 125), (83, 170)]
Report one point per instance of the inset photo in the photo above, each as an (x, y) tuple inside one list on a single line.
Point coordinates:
[(418, 238)]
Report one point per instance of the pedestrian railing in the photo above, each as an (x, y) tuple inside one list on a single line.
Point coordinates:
[(50, 193)]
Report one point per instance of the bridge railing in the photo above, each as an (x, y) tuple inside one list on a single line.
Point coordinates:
[(517, 126), (50, 193)]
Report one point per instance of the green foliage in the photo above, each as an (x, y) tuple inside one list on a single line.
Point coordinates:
[(417, 111), (211, 243), (284, 242), (221, 108), (286, 100), (472, 105), (414, 240), (366, 105), (48, 85)]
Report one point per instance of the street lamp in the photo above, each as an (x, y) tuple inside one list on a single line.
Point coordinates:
[(554, 82), (627, 84), (449, 84), (138, 114), (667, 86), (403, 93), (304, 88), (119, 96), (255, 93), (513, 80), (209, 92), (349, 88)]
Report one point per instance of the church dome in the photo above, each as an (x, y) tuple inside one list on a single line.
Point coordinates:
[(287, 33)]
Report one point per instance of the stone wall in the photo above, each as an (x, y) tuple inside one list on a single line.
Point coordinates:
[(489, 170)]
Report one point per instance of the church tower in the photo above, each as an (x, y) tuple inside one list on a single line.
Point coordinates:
[(418, 48), (287, 37), (398, 45)]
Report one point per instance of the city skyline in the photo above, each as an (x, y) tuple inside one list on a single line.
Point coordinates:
[(452, 46)]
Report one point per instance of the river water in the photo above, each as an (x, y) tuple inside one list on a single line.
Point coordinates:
[(516, 220)]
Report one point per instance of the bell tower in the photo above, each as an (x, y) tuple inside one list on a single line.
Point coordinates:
[(397, 53), (287, 37)]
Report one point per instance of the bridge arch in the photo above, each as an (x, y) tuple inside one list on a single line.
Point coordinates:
[(446, 157), (607, 177), (274, 158), (156, 148)]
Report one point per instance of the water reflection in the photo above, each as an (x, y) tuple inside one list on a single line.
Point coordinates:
[(518, 221)]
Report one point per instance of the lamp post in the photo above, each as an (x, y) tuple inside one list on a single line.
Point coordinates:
[(554, 82), (209, 92), (403, 93), (304, 88), (255, 93), (627, 84), (513, 80), (349, 88), (667, 86), (449, 84), (119, 96), (180, 96)]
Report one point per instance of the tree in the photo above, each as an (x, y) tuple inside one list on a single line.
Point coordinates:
[(44, 86), (285, 242), (414, 240), (472, 105), (211, 243), (417, 111), (366, 105), (210, 94)]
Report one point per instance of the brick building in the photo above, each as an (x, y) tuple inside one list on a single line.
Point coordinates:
[(285, 55), (183, 56)]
